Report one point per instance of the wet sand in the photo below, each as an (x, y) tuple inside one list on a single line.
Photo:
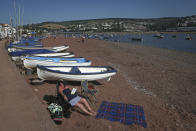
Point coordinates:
[(160, 80)]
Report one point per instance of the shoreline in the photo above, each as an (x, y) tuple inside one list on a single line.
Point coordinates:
[(168, 42)]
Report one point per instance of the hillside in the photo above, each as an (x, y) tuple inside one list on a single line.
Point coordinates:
[(120, 24), (52, 26)]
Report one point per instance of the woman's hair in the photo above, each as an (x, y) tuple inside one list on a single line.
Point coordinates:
[(62, 81)]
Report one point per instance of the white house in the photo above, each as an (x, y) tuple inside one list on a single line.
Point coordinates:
[(106, 26)]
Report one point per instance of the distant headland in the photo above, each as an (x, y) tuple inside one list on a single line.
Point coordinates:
[(177, 24)]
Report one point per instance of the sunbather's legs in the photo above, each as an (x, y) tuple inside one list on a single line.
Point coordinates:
[(84, 110), (82, 100)]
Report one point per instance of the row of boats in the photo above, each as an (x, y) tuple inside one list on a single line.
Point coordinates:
[(55, 63)]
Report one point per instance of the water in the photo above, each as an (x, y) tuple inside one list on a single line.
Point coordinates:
[(178, 43)]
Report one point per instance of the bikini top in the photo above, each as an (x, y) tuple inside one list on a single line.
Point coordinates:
[(68, 94)]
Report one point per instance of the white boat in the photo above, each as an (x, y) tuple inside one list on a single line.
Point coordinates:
[(75, 73), (55, 48), (188, 37), (159, 36), (13, 49), (59, 48), (32, 62), (55, 54)]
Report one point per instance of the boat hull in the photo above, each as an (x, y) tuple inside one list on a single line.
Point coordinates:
[(63, 55), (32, 63), (55, 49), (30, 52), (95, 73), (137, 39)]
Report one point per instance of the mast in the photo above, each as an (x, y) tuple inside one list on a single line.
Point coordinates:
[(19, 22), (8, 26), (22, 19), (16, 21)]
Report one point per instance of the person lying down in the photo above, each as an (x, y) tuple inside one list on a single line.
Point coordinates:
[(69, 95)]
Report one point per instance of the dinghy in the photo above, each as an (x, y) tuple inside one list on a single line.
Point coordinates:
[(25, 43), (160, 36), (137, 39), (75, 73), (29, 52), (188, 37), (16, 47), (55, 54), (19, 55), (55, 48), (32, 62)]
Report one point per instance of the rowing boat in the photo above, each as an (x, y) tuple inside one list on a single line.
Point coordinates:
[(75, 73), (32, 62), (21, 48), (55, 54)]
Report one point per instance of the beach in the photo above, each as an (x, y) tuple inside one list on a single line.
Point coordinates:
[(20, 109), (163, 82)]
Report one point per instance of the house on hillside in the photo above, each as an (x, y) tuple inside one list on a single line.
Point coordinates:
[(106, 26), (91, 27)]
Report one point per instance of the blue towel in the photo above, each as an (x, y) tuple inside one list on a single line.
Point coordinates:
[(124, 113)]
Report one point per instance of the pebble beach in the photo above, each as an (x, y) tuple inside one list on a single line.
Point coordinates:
[(160, 80)]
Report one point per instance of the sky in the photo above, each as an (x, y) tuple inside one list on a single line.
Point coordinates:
[(36, 11)]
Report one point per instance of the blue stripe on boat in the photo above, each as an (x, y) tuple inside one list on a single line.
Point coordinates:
[(33, 51), (58, 59), (110, 70)]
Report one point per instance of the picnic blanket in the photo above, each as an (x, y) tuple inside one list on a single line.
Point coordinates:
[(124, 113)]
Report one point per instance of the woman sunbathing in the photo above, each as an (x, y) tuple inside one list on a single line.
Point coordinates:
[(75, 100)]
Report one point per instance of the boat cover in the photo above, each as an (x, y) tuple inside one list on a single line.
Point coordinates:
[(33, 51)]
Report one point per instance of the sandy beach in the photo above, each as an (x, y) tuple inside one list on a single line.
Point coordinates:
[(160, 80)]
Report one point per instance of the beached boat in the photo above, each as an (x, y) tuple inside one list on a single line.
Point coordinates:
[(55, 48), (32, 62), (55, 54), (30, 52), (77, 73), (13, 47), (25, 43)]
